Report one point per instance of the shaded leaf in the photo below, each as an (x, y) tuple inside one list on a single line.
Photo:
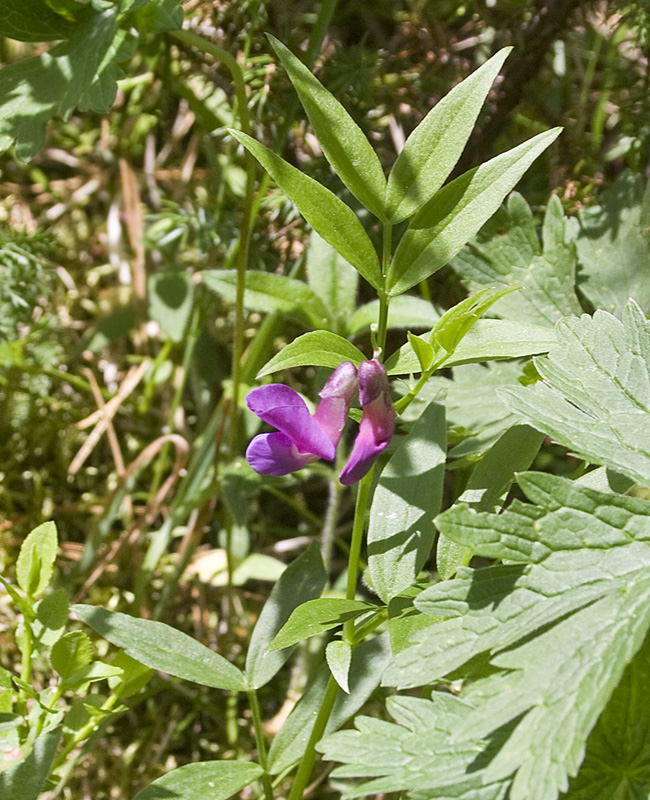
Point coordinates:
[(203, 780), (317, 616), (170, 301)]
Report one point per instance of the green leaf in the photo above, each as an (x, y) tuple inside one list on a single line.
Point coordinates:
[(613, 246), (133, 676), (267, 292), (507, 251), (330, 217), (488, 339), (567, 612), (317, 349), (434, 147), (457, 212), (70, 653), (316, 616), (339, 658), (51, 618), (27, 779), (159, 16), (333, 279), (162, 647), (36, 559), (216, 780), (404, 619), (369, 660), (404, 311), (33, 21), (80, 72), (407, 497), (617, 760), (91, 673), (304, 579), (170, 302), (595, 396), (343, 142), (423, 350)]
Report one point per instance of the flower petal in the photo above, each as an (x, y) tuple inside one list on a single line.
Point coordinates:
[(364, 453), (283, 408), (276, 454), (337, 396)]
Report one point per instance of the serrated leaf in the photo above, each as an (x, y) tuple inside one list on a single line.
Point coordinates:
[(317, 616), (270, 292), (77, 72), (457, 212), (170, 302), (162, 647), (216, 780), (434, 147), (316, 349), (369, 659), (330, 217), (487, 339), (338, 655), (70, 653), (36, 559), (407, 498), (507, 251), (33, 21), (344, 143), (304, 579), (595, 394), (27, 779), (559, 625)]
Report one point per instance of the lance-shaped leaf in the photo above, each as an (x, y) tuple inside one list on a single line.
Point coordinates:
[(317, 616), (595, 393), (162, 647), (434, 147), (559, 623), (330, 217), (405, 311), (26, 780), (315, 349), (343, 142), (266, 291), (204, 780), (457, 212), (333, 279), (407, 498)]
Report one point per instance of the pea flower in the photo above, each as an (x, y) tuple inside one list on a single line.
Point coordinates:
[(300, 437), (377, 423)]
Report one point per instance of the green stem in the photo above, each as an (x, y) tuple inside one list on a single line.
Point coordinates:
[(26, 665), (261, 744), (84, 732), (307, 761), (384, 299), (363, 493)]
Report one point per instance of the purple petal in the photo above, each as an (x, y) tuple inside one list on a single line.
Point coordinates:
[(283, 408), (337, 394), (276, 454), (364, 453)]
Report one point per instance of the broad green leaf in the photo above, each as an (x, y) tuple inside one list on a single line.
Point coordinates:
[(513, 452), (70, 653), (203, 780), (343, 142), (559, 623), (159, 16), (488, 339), (317, 349), (407, 498), (91, 673), (80, 72), (417, 755), (304, 579), (33, 21), (613, 246), (617, 761), (266, 292), (404, 619), (339, 658), (316, 616), (170, 302), (330, 217), (404, 311), (507, 251), (162, 647), (369, 660), (333, 279), (27, 779), (457, 212), (434, 147), (36, 559), (51, 618), (595, 393)]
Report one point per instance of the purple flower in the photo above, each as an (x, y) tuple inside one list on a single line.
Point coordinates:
[(300, 438), (377, 423)]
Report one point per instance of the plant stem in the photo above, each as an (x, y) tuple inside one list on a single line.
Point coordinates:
[(307, 761), (363, 493), (384, 299), (261, 744)]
